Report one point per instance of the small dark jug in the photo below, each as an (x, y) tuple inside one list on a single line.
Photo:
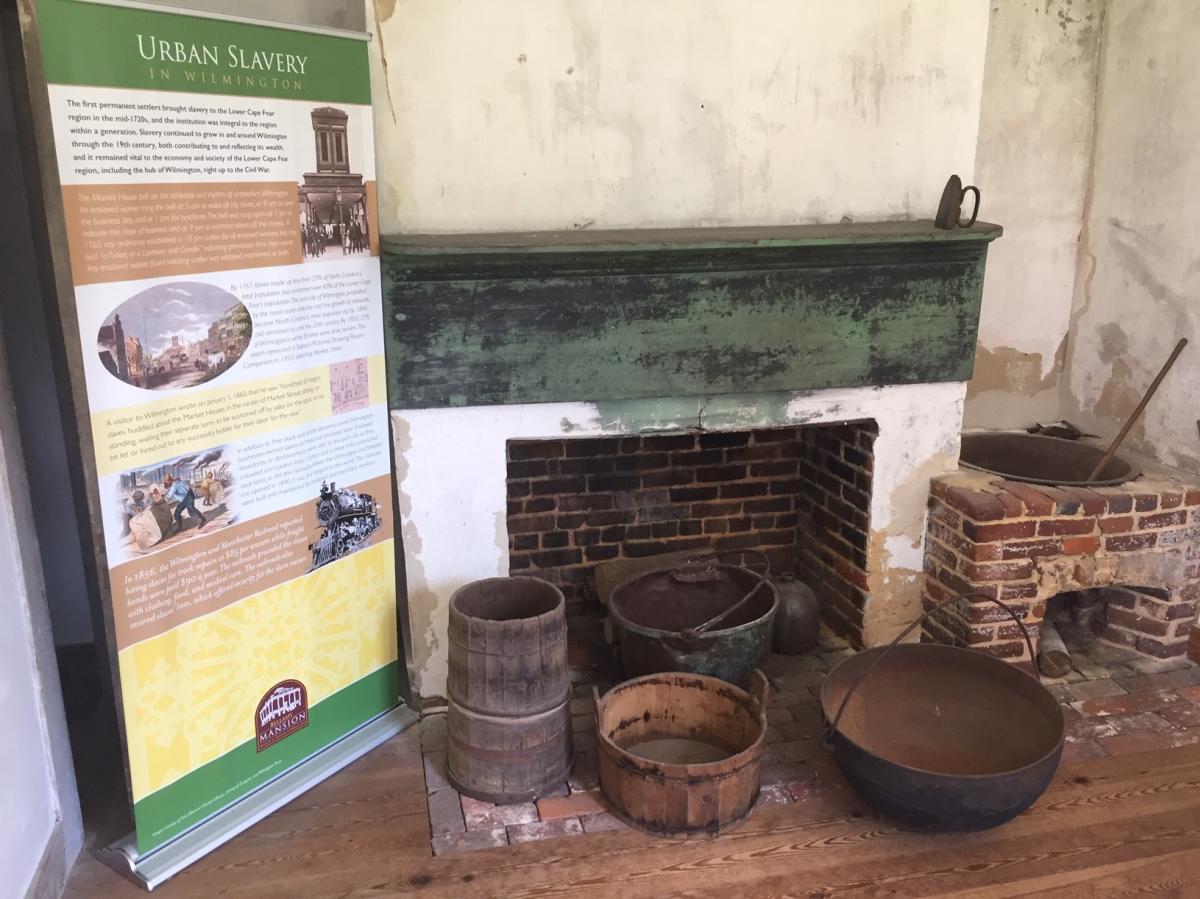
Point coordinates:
[(798, 621)]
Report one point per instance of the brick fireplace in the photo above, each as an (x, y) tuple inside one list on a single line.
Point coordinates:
[(1026, 543), (550, 390), (799, 494)]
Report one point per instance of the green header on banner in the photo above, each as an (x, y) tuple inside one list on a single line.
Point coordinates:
[(113, 46)]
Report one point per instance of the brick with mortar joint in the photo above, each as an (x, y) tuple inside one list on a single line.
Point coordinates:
[(940, 512), (986, 613), (1090, 502), (599, 446), (556, 557), (668, 442), (664, 529), (689, 528), (943, 554), (1080, 546), (721, 473), (1162, 649), (582, 503), (743, 490), (986, 572), (641, 462), (1006, 530), (1129, 542), (701, 457), (1143, 624), (671, 477), (1192, 498), (716, 526), (1018, 591), (1013, 507), (715, 510), (602, 483), (540, 504), (781, 487), (1169, 500), (1119, 503), (531, 468), (1064, 502), (1189, 535), (1181, 610), (534, 449), (601, 553), (692, 494), (1145, 502), (722, 439), (1030, 549), (637, 532), (1163, 520), (527, 524), (1118, 525), (1035, 502), (518, 489), (1066, 527), (737, 525)]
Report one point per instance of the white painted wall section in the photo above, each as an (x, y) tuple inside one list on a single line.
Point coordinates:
[(632, 114)]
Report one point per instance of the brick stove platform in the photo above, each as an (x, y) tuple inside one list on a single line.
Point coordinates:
[(1025, 543)]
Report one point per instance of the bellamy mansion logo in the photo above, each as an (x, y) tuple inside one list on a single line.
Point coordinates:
[(281, 711)]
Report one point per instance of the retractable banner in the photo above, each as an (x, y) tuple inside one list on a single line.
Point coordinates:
[(218, 183)]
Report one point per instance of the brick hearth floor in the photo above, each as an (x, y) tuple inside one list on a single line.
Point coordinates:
[(1116, 701)]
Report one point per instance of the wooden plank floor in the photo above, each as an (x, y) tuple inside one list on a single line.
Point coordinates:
[(1106, 827)]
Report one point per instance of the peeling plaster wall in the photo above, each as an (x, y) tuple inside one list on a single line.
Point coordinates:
[(623, 113), (1032, 164), (451, 473), (1138, 286)]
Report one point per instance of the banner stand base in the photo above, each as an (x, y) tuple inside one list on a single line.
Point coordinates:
[(155, 867)]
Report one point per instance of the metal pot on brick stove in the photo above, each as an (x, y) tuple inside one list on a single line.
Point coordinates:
[(702, 617), (942, 737)]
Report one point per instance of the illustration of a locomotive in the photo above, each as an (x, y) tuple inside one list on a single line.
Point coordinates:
[(348, 518)]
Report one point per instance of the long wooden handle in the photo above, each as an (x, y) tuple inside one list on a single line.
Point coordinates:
[(1137, 413)]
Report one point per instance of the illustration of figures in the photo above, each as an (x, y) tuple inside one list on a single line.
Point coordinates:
[(182, 493), (212, 490), (134, 505)]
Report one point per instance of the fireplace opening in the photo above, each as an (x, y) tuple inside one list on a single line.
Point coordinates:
[(800, 495)]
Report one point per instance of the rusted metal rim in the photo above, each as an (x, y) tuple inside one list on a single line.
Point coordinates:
[(684, 773), (1014, 456), (614, 610), (960, 652)]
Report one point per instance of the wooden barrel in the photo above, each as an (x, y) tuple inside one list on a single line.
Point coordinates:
[(680, 753), (504, 759), (509, 721), (508, 646)]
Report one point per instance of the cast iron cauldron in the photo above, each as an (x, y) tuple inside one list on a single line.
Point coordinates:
[(701, 617), (941, 737)]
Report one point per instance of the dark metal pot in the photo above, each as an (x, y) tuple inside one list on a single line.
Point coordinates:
[(942, 737), (655, 616)]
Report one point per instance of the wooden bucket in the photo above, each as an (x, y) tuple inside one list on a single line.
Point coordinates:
[(680, 753), (503, 759), (508, 720), (508, 646)]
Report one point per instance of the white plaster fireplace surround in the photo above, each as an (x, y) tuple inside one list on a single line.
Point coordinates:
[(451, 477)]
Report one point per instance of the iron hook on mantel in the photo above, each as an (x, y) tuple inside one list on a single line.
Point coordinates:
[(949, 214)]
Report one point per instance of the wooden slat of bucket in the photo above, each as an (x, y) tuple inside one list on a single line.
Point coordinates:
[(508, 759), (509, 667)]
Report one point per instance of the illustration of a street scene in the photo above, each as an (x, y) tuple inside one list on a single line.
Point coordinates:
[(347, 519), (174, 335), (333, 200), (176, 500)]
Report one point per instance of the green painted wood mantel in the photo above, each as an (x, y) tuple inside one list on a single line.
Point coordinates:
[(490, 319)]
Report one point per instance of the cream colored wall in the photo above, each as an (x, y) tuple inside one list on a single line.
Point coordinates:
[(626, 113), (1138, 287), (1032, 164)]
